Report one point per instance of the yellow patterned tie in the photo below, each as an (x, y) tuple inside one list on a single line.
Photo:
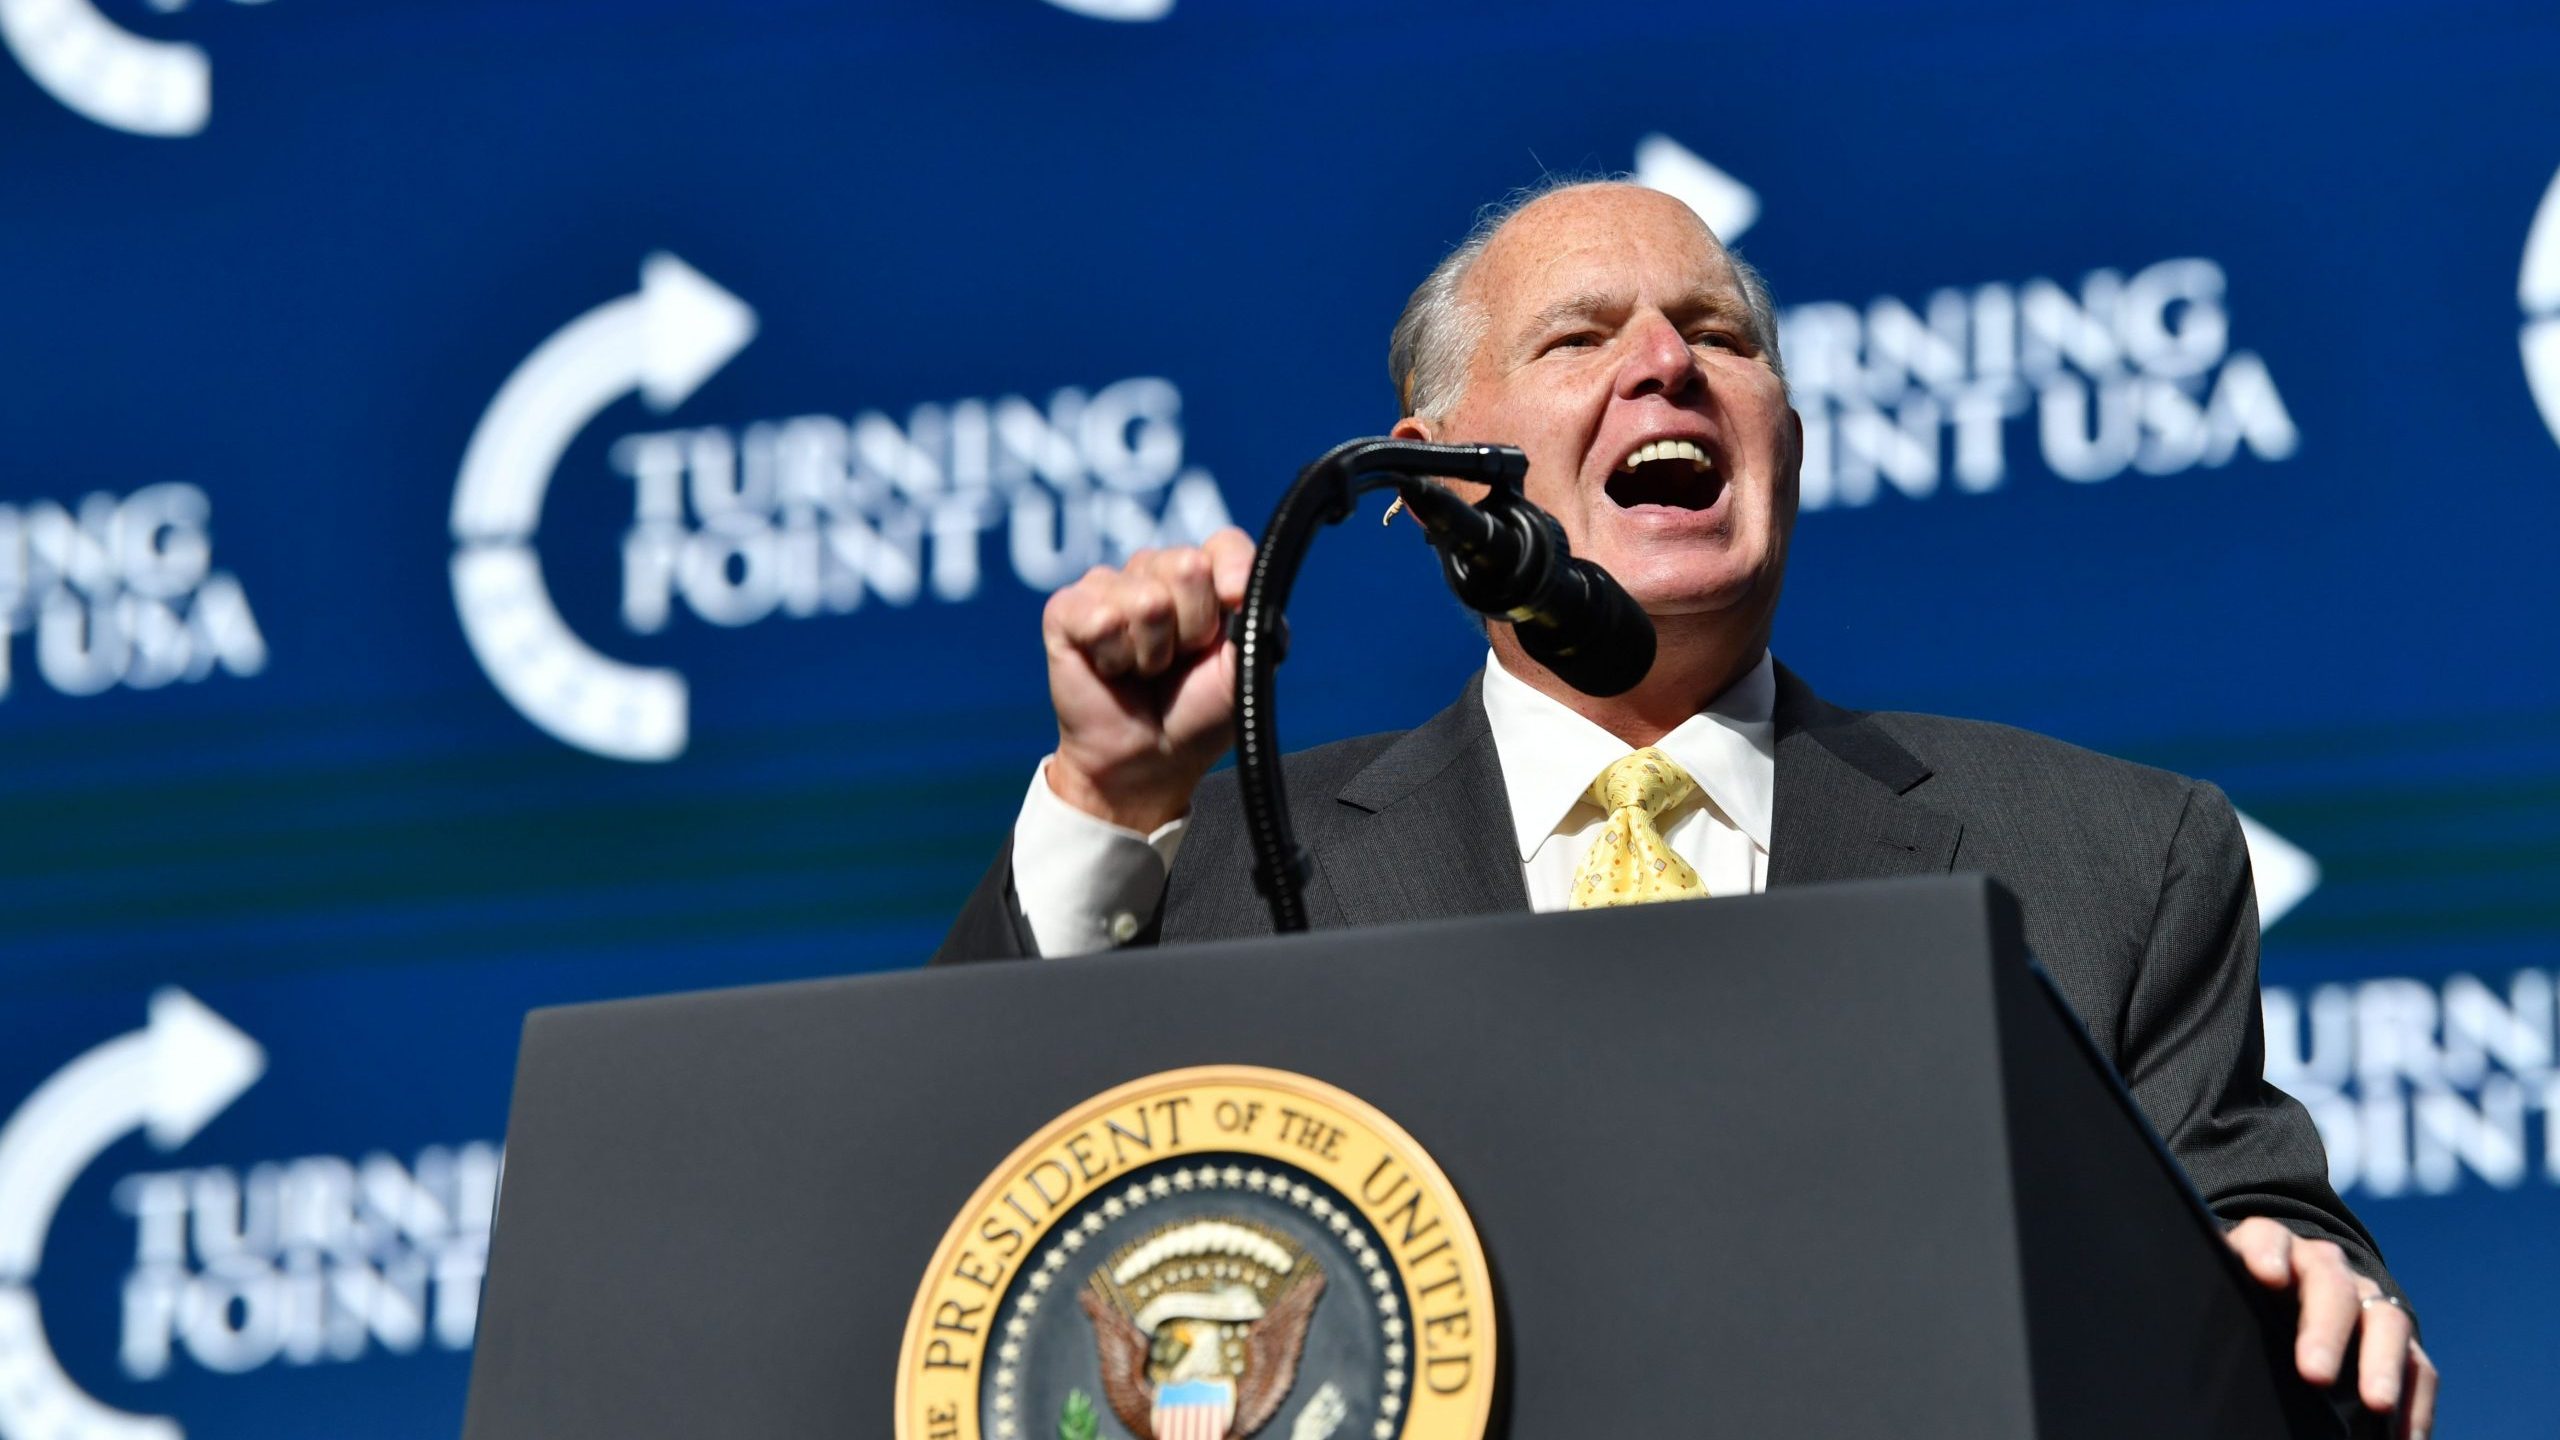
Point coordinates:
[(1629, 864)]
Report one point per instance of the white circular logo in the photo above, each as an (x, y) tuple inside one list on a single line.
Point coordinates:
[(168, 1079), (108, 73), (2538, 291), (1131, 12), (663, 340)]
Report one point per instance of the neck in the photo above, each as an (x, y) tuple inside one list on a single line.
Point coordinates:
[(1696, 659)]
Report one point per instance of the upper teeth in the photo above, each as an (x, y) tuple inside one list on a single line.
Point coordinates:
[(1667, 450)]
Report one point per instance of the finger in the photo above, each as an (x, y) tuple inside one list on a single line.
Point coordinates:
[(2329, 1309), (2382, 1355), (1087, 620), (1230, 564), (2422, 1393), (1108, 653), (1197, 616), (2266, 1248), (1188, 574), (1148, 603)]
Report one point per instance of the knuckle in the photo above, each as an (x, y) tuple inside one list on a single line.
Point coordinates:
[(1100, 623), (1070, 619), (1082, 597)]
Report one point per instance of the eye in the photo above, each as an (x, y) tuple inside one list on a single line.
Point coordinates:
[(1575, 340), (1721, 339)]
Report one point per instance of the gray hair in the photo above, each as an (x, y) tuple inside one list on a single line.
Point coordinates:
[(1439, 331)]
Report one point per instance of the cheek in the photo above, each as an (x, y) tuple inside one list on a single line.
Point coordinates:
[(1555, 472), (1777, 438)]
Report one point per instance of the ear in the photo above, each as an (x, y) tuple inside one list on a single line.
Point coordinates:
[(1795, 463), (1411, 427)]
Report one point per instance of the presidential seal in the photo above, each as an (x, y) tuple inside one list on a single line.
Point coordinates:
[(1206, 1254)]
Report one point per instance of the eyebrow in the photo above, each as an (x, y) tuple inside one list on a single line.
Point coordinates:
[(1591, 304), (1583, 306)]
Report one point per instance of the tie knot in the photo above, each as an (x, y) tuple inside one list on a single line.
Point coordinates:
[(1647, 780)]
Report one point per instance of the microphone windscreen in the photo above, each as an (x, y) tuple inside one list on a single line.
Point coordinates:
[(1606, 649)]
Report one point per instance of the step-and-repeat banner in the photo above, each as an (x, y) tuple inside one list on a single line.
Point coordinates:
[(504, 504)]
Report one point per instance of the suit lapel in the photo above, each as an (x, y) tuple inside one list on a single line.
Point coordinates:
[(1844, 809), (1433, 836)]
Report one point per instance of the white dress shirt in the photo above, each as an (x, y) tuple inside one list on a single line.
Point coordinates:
[(1550, 756), (1086, 884)]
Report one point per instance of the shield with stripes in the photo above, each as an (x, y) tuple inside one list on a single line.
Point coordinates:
[(1194, 1409)]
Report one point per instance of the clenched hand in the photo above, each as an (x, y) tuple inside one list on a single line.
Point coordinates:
[(1142, 676)]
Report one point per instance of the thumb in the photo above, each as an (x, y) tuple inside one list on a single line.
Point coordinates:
[(1230, 564)]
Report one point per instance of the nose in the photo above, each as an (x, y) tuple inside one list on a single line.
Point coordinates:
[(1658, 361)]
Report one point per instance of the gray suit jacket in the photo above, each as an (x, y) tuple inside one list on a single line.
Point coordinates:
[(2134, 883)]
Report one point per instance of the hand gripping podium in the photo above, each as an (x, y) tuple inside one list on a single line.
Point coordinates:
[(1825, 1162)]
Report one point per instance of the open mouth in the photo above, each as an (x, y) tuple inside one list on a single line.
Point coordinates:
[(1675, 473)]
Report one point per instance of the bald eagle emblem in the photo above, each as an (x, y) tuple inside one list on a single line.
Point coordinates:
[(1198, 1326)]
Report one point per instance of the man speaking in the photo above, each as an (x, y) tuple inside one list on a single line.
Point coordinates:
[(1603, 330)]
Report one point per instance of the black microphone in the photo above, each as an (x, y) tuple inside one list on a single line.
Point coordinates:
[(1509, 559)]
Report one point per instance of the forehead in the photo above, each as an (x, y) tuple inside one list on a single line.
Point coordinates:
[(1620, 242)]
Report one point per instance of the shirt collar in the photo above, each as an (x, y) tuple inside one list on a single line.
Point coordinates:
[(1550, 754)]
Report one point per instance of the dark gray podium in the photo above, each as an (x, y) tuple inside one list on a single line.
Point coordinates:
[(1827, 1162)]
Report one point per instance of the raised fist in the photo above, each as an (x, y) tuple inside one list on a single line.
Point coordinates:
[(1143, 678)]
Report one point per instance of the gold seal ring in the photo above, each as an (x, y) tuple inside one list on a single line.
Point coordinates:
[(1164, 1251)]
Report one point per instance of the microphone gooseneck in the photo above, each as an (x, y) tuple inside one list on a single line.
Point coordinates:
[(1509, 559), (1504, 557)]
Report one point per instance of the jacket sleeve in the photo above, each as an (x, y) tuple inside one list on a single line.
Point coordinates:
[(990, 925), (1064, 883), (2194, 1046)]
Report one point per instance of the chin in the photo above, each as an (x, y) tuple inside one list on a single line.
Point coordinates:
[(1674, 589)]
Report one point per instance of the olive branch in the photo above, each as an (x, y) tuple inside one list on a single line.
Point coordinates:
[(1076, 1420)]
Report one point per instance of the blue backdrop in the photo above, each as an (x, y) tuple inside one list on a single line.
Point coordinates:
[(503, 505)]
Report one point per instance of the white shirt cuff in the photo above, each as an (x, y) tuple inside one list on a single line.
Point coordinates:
[(1085, 884)]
